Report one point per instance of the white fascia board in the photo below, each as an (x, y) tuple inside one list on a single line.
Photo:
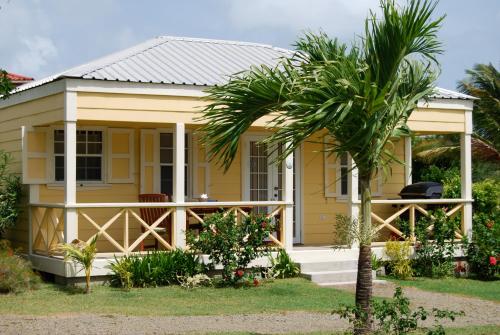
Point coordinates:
[(102, 86), (460, 104), (34, 93)]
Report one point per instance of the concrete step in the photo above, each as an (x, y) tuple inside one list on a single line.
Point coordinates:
[(328, 266), (329, 277)]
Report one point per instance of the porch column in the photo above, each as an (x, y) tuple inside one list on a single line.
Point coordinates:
[(353, 193), (179, 227), (408, 161), (466, 173), (70, 214), (288, 197)]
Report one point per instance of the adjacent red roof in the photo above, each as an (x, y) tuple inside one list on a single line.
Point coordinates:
[(14, 77)]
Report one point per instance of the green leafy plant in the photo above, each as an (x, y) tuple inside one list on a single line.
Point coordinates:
[(156, 268), (399, 264), (232, 245), (377, 262), (10, 194), (395, 316), (483, 250), (16, 274), (435, 249), (82, 253), (282, 266)]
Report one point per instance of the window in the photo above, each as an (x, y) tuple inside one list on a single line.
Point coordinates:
[(167, 163), (344, 173), (89, 157)]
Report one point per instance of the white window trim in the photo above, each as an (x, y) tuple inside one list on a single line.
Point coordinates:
[(53, 183), (190, 164), (338, 182)]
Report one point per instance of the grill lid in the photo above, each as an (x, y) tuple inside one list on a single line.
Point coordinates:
[(422, 190)]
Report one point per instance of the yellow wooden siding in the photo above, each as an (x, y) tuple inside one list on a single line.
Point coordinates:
[(36, 112), (142, 108), (426, 120)]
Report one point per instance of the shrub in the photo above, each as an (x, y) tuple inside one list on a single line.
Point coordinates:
[(399, 264), (195, 281), (16, 274), (484, 249), (10, 194), (231, 245), (282, 266), (450, 178), (158, 268), (434, 251), (82, 253), (395, 316)]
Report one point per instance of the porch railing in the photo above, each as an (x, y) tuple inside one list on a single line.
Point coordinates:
[(409, 209), (121, 226)]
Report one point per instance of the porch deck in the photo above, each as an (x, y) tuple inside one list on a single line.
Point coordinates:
[(120, 234)]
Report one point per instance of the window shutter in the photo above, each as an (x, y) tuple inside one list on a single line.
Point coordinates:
[(35, 158), (120, 156), (149, 161), (331, 170), (201, 169)]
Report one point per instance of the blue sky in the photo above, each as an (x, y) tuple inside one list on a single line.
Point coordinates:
[(42, 37)]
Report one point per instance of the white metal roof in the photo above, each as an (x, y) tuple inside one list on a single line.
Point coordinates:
[(174, 60), (184, 61), (442, 93)]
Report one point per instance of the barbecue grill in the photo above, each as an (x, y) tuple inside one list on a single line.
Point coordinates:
[(422, 190)]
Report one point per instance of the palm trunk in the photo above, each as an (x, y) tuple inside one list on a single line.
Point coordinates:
[(364, 279), (87, 280)]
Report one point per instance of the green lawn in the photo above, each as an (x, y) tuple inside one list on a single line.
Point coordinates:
[(489, 290), (281, 295)]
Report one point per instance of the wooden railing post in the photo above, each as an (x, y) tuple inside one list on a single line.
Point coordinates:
[(125, 233), (412, 223)]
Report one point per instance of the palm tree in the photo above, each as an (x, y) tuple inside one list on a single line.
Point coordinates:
[(362, 95), (82, 253), (483, 82)]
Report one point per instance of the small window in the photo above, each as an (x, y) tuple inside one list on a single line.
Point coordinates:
[(89, 157), (167, 163)]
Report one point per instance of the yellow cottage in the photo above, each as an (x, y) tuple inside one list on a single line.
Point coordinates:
[(98, 145)]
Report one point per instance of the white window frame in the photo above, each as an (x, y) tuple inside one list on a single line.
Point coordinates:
[(104, 155), (190, 164), (338, 172)]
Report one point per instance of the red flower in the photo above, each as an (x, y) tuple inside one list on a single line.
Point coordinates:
[(493, 261), (239, 273), (489, 224), (255, 282)]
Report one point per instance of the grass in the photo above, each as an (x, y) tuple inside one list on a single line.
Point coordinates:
[(488, 290), (282, 295)]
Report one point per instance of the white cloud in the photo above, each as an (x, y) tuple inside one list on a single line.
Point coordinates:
[(338, 17), (37, 52)]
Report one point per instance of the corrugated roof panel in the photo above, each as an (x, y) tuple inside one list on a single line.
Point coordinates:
[(179, 60)]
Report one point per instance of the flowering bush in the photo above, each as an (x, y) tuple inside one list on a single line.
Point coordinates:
[(232, 245), (484, 248)]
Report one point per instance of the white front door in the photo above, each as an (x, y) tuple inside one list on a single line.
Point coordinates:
[(264, 182)]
